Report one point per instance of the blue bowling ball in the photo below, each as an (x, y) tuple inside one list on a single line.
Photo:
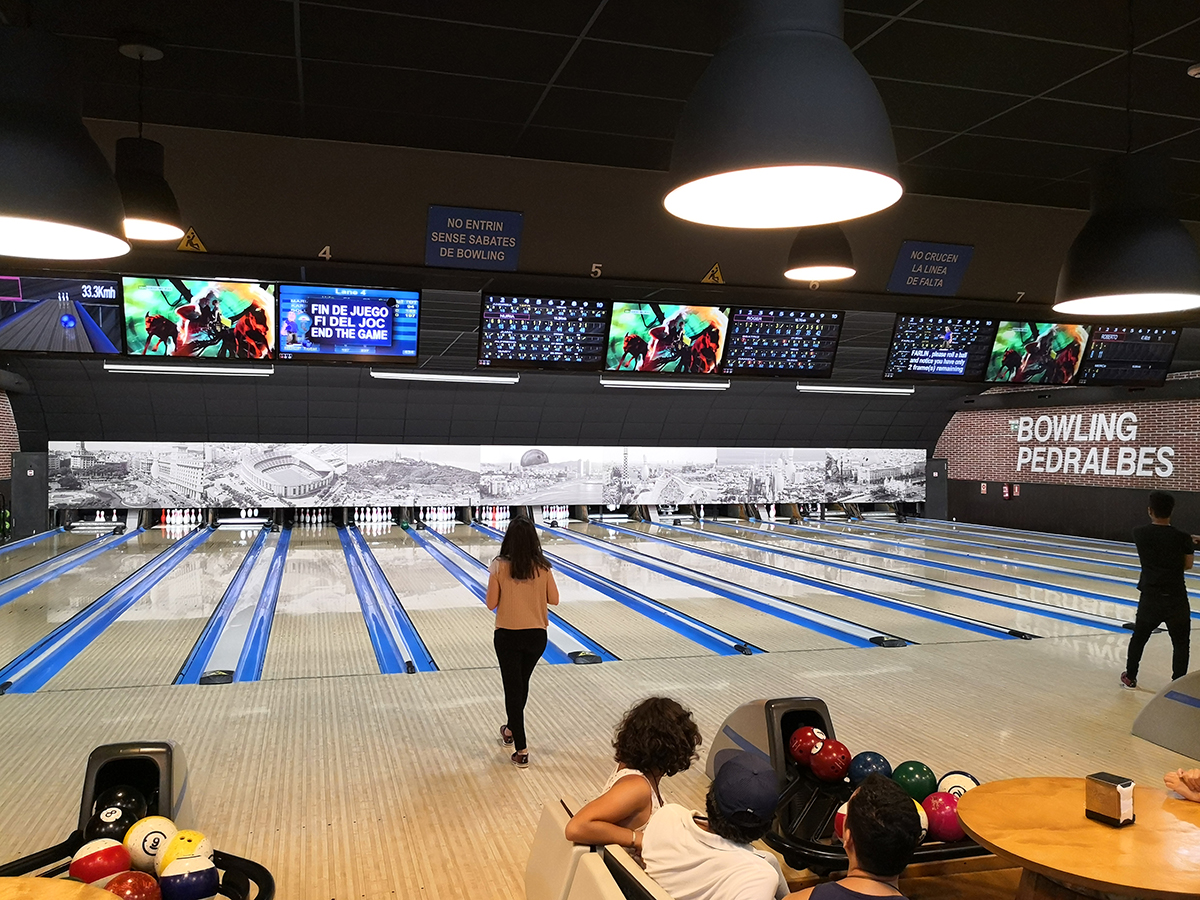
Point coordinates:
[(867, 763)]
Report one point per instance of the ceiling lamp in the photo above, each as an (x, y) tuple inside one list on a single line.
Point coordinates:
[(785, 128), (1133, 257), (58, 198), (820, 253)]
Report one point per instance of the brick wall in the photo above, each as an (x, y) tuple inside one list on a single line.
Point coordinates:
[(9, 441)]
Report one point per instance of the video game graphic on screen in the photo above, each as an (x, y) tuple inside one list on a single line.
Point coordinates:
[(653, 337), (60, 315), (209, 319), (1037, 353)]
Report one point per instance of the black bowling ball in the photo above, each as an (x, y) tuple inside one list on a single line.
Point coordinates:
[(123, 796), (109, 822)]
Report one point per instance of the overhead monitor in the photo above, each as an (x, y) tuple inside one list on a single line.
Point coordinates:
[(318, 322), (1128, 355), (1037, 353), (954, 348), (530, 332), (190, 319), (659, 337), (60, 315), (799, 343)]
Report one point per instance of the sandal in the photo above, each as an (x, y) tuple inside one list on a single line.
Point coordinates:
[(506, 736), (520, 759)]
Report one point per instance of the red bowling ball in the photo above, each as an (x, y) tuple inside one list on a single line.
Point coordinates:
[(97, 861), (839, 821), (134, 886), (804, 741), (942, 809), (830, 761)]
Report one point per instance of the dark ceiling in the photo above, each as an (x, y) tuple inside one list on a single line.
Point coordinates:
[(1012, 101)]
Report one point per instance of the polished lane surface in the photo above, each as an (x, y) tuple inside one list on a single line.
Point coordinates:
[(16, 561)]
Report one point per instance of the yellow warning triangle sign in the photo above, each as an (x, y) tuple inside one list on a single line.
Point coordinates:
[(714, 275), (191, 241)]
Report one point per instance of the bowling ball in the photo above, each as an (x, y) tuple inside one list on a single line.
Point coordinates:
[(830, 761), (942, 810), (957, 783), (185, 843), (916, 778), (134, 886), (868, 763), (924, 822), (839, 821), (802, 743), (99, 860), (189, 878), (146, 839), (108, 822), (124, 797)]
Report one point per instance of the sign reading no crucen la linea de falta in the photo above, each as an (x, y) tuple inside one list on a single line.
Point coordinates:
[(461, 238), (925, 268)]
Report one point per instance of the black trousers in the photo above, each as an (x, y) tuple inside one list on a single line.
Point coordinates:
[(1153, 610), (517, 651)]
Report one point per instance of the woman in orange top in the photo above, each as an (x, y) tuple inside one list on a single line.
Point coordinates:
[(520, 588)]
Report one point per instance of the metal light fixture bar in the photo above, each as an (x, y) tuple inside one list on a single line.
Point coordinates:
[(806, 388), (450, 377), (664, 384), (165, 368)]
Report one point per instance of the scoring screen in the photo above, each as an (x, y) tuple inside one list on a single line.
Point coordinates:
[(60, 315), (317, 321), (927, 347), (794, 342), (1118, 355), (542, 332)]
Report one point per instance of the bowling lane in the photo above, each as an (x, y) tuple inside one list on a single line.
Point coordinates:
[(16, 561), (908, 625), (319, 628), (31, 617), (1097, 547), (151, 640), (625, 632)]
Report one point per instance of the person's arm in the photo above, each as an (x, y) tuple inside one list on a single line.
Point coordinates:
[(492, 600), (551, 589), (1175, 782), (1188, 560), (596, 822)]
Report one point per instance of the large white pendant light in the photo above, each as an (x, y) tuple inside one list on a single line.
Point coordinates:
[(820, 253), (785, 128), (58, 198), (1133, 257)]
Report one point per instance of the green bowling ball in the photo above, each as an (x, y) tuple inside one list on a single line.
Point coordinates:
[(916, 778)]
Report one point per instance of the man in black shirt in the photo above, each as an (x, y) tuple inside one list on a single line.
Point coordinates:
[(1165, 553)]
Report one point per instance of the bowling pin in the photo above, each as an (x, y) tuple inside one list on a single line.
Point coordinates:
[(772, 510)]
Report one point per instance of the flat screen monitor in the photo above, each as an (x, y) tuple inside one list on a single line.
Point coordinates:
[(800, 343), (190, 319), (1127, 355), (1037, 353), (659, 337), (542, 333), (318, 322), (60, 315), (954, 348)]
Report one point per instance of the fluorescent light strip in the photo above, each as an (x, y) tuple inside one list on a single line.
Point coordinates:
[(851, 389), (137, 368), (399, 375), (661, 384)]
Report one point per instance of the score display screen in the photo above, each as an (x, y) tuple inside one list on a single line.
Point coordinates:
[(930, 347), (337, 322), (542, 333), (794, 342), (60, 315), (1124, 355)]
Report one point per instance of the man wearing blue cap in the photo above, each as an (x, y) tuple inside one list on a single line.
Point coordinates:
[(695, 857)]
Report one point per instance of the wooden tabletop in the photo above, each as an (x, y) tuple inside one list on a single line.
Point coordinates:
[(49, 889), (1040, 824)]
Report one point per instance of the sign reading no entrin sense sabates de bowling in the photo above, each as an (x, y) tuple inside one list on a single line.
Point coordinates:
[(461, 238)]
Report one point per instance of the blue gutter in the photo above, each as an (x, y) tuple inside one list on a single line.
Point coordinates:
[(930, 523), (45, 659), (1036, 607), (416, 654), (32, 539), (197, 661), (52, 568), (254, 651), (832, 626), (965, 622), (387, 650), (719, 642), (950, 567)]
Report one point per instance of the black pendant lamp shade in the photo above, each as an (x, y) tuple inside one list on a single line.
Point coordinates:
[(1133, 256), (58, 198), (820, 253), (785, 128), (151, 213)]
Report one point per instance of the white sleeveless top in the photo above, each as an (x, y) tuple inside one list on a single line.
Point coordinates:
[(619, 773)]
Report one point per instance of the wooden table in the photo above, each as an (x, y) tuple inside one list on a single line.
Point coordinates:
[(49, 889), (1039, 823)]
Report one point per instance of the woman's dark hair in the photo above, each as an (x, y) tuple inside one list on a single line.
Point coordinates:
[(523, 550), (883, 822), (731, 831), (657, 736)]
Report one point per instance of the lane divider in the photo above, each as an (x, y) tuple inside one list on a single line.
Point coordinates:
[(693, 629), (32, 539), (832, 626), (1044, 535), (258, 636), (196, 663), (23, 582), (388, 655), (965, 622), (46, 658)]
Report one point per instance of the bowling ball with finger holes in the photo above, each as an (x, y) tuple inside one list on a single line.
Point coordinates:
[(109, 822), (99, 860), (185, 843), (134, 886), (957, 783), (942, 810), (802, 743), (124, 797), (916, 778), (830, 760), (147, 839), (868, 763), (189, 878)]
